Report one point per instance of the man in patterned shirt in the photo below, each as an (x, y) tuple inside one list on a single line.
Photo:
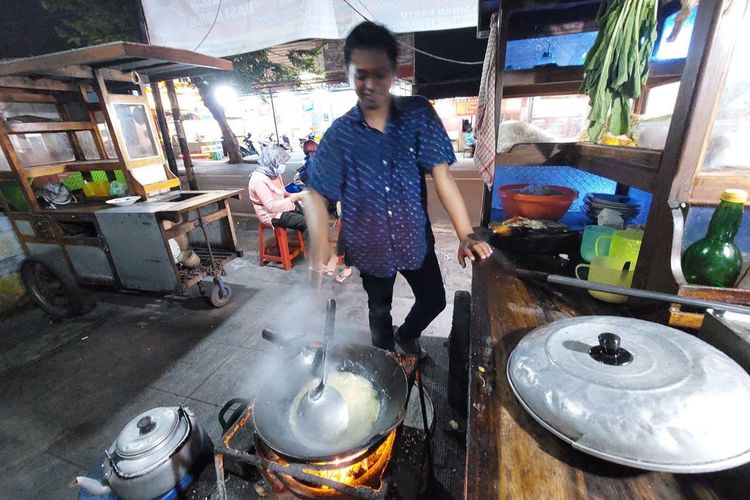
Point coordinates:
[(374, 160)]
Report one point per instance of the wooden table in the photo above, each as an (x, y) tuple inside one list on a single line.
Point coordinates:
[(509, 455)]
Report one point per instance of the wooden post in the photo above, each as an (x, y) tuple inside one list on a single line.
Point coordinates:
[(177, 117), (105, 102), (273, 114), (702, 81), (161, 119), (502, 39), (16, 166)]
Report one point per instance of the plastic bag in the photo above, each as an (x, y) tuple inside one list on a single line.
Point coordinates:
[(117, 188)]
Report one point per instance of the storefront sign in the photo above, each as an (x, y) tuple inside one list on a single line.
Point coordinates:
[(467, 107)]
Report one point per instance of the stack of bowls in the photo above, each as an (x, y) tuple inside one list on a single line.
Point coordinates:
[(594, 203)]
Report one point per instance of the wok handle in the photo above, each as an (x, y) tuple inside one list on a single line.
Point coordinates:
[(273, 337), (227, 423)]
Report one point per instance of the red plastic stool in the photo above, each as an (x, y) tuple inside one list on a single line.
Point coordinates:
[(281, 251)]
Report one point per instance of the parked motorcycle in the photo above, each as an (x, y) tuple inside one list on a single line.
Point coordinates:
[(249, 148)]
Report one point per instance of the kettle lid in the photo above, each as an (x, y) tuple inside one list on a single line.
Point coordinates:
[(149, 439)]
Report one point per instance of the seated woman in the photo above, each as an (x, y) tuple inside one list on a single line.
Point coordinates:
[(272, 203)]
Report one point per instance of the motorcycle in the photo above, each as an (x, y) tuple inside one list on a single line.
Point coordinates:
[(249, 148), (286, 143)]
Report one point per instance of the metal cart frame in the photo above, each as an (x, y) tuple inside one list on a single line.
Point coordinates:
[(102, 111)]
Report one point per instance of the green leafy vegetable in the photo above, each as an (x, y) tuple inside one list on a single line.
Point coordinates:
[(616, 67)]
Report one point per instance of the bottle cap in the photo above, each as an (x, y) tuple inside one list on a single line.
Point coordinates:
[(734, 196)]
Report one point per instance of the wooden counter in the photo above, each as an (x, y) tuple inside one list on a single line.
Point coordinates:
[(509, 455)]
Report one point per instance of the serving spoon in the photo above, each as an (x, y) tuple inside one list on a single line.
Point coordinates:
[(322, 412)]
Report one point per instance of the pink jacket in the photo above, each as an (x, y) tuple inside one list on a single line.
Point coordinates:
[(268, 196)]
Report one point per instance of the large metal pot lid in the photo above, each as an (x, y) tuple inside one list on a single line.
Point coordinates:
[(666, 401), (150, 439)]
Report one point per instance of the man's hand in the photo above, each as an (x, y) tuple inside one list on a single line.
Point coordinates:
[(295, 197), (449, 195), (473, 248)]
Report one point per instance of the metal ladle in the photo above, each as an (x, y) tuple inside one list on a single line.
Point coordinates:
[(322, 412)]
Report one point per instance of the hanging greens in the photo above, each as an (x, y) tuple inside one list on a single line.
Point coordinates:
[(616, 67)]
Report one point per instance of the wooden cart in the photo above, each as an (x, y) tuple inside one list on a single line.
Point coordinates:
[(678, 174), (82, 115), (508, 454)]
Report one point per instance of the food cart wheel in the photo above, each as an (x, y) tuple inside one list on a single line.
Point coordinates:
[(217, 298), (53, 289)]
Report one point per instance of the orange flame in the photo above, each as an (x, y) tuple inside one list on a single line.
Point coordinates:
[(362, 471)]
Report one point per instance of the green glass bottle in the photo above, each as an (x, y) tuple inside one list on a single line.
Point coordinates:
[(715, 260)]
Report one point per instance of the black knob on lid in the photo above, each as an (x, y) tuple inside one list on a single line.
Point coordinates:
[(145, 425), (609, 351), (610, 343)]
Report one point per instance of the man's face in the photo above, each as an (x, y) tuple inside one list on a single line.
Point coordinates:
[(372, 74)]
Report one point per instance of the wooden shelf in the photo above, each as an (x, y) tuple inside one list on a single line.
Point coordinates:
[(634, 167), (46, 127), (566, 80), (73, 166)]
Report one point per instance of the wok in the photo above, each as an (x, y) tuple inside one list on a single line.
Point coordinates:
[(297, 371)]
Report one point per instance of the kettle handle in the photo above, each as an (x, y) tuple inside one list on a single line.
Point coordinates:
[(227, 423)]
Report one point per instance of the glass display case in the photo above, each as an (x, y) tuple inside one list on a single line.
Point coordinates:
[(728, 146), (725, 159)]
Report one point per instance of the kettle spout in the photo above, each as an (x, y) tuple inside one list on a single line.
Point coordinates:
[(91, 486)]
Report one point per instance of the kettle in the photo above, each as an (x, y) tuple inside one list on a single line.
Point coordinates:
[(155, 452)]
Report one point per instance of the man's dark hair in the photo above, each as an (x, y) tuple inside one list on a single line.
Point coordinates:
[(371, 36)]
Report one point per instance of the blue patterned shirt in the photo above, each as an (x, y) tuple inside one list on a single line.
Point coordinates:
[(379, 179)]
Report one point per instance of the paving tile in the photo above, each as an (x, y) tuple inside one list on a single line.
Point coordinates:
[(184, 375), (133, 355), (39, 476), (207, 415), (246, 323), (239, 377), (100, 416)]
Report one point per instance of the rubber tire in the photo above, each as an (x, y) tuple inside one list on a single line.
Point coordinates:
[(69, 285), (217, 301)]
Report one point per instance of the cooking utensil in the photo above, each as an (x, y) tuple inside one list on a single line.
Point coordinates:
[(156, 451), (189, 259), (543, 241), (590, 238), (635, 393), (593, 203), (602, 287), (56, 193), (533, 206), (614, 271), (297, 368), (322, 409), (536, 206), (124, 201), (625, 243), (98, 189)]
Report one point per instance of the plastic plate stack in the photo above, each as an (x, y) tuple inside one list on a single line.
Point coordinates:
[(594, 203)]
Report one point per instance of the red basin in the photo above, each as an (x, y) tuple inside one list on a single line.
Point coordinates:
[(534, 206)]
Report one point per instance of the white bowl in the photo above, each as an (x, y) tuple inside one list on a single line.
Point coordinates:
[(124, 201)]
